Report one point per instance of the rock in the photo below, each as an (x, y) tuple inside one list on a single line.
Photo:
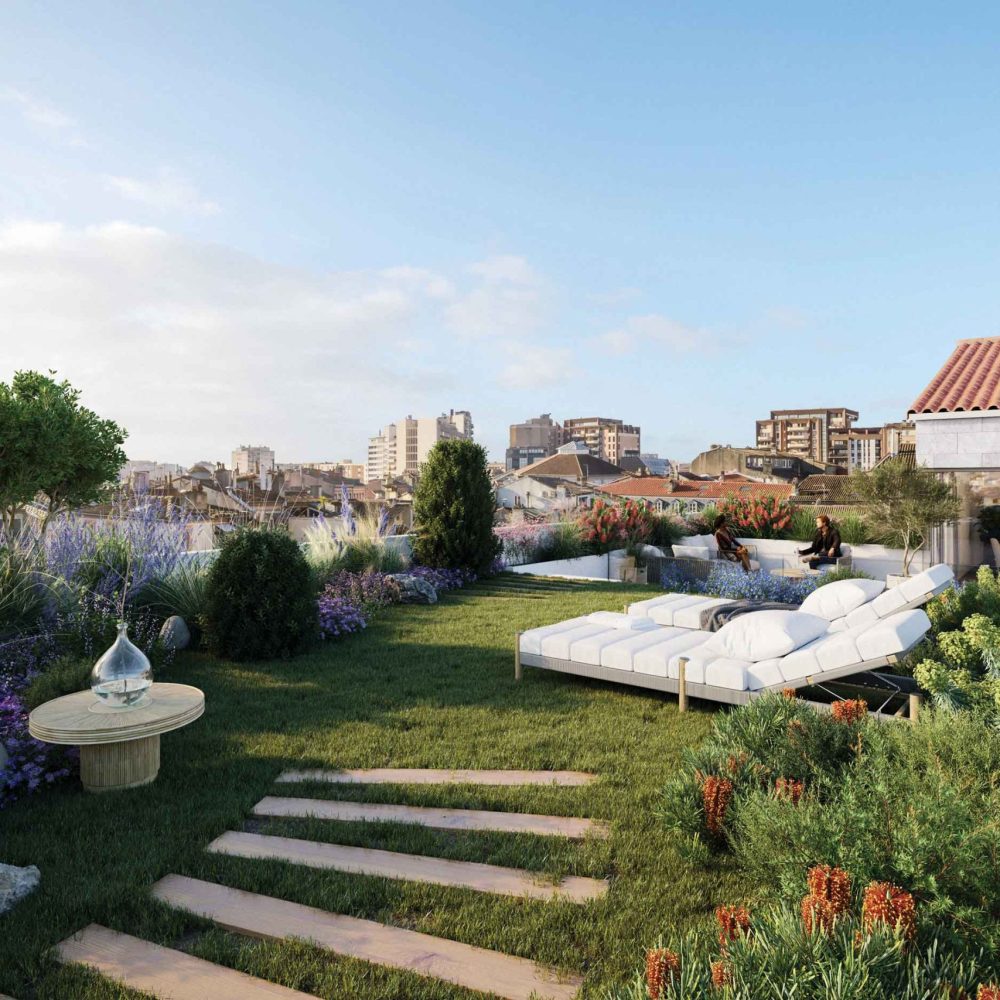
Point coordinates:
[(175, 634), (413, 590), (16, 883)]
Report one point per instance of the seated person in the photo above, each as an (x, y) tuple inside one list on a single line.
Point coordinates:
[(825, 548), (729, 548)]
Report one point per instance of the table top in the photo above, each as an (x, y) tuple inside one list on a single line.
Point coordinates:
[(83, 719), (792, 572)]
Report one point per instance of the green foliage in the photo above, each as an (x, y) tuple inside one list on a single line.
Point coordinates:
[(855, 530), (803, 524), (63, 676), (184, 592), (51, 445), (564, 541), (989, 522), (22, 592), (667, 530), (260, 597), (453, 508), (778, 960), (843, 573), (904, 504), (918, 809)]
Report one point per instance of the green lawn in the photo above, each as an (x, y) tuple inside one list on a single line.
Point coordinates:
[(422, 687)]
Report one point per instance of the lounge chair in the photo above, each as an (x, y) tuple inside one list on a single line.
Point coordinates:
[(650, 657), (844, 604)]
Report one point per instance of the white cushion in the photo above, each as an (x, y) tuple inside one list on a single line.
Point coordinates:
[(643, 608), (840, 625), (690, 616), (800, 664), (764, 635), (617, 620), (728, 673), (558, 645), (692, 552), (767, 673), (620, 655), (834, 600), (839, 650), (888, 601), (894, 635), (590, 648), (531, 641), (925, 583), (655, 660), (709, 541), (864, 615), (665, 614), (694, 671)]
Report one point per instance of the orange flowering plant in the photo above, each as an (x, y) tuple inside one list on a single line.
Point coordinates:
[(758, 517)]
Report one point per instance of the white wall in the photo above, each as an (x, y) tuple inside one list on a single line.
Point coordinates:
[(958, 440)]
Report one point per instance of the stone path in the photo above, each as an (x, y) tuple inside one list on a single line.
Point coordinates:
[(432, 776), (266, 917), (172, 975), (442, 819), (412, 867), (164, 972)]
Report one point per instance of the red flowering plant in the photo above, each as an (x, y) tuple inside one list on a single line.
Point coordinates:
[(602, 526), (757, 517), (663, 969)]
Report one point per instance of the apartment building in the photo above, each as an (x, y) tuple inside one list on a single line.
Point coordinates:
[(605, 437), (253, 458), (817, 435), (400, 449), (532, 440)]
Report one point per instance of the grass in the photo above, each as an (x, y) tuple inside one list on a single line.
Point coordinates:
[(422, 687)]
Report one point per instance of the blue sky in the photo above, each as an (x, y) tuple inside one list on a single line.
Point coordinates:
[(292, 223)]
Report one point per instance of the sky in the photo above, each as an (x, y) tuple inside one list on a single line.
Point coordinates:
[(293, 223)]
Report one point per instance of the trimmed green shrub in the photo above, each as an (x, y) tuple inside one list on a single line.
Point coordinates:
[(844, 573), (453, 509), (260, 598)]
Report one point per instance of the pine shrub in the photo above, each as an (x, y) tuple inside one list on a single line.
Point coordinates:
[(260, 599), (453, 509)]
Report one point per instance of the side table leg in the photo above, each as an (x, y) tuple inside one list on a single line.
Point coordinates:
[(109, 767)]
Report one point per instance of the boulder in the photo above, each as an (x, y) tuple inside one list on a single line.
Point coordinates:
[(175, 634), (413, 590), (16, 883)]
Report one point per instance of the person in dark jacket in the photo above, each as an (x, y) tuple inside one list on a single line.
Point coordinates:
[(729, 548), (825, 548)]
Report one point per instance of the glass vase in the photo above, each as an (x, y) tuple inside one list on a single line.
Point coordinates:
[(123, 674)]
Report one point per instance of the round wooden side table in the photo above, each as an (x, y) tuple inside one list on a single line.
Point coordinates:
[(119, 747)]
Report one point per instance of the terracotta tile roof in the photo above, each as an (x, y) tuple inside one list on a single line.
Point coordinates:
[(658, 486), (827, 489), (969, 380)]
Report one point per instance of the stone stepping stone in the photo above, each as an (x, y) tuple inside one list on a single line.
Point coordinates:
[(444, 819), (164, 972), (435, 776), (417, 868), (462, 964)]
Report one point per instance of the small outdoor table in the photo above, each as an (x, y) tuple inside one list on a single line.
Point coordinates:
[(119, 747), (793, 572)]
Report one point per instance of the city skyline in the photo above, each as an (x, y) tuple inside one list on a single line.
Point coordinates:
[(320, 224)]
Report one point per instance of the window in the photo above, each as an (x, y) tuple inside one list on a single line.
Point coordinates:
[(755, 461), (782, 463)]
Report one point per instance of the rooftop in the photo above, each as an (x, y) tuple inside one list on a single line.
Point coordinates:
[(968, 381), (660, 486)]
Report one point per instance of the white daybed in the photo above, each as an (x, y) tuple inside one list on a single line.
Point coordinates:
[(844, 604), (732, 665)]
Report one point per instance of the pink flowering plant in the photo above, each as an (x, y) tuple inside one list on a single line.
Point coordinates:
[(758, 517)]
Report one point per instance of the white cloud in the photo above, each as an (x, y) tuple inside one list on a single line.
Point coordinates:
[(508, 299), (537, 366), (615, 297), (36, 111), (656, 331), (167, 191), (194, 347)]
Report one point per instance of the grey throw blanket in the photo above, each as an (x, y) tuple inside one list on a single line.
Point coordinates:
[(712, 619)]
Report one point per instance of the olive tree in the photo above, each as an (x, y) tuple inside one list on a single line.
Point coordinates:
[(52, 449), (904, 504)]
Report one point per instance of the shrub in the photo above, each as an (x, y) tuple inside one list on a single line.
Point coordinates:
[(802, 526), (338, 615), (844, 573), (563, 540), (261, 599), (602, 526), (667, 530), (184, 592), (22, 591), (854, 530), (763, 517), (368, 591), (443, 579), (453, 509)]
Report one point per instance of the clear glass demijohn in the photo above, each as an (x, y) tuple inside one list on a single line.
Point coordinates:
[(123, 675)]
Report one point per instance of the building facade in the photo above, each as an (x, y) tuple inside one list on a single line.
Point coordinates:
[(754, 463), (812, 434), (605, 437), (253, 458), (400, 449), (533, 439)]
